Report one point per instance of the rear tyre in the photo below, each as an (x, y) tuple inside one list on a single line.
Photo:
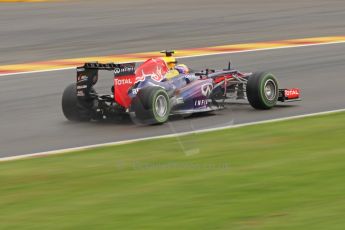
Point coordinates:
[(74, 108), (262, 90), (151, 106)]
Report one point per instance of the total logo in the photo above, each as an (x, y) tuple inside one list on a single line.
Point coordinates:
[(126, 81), (291, 93)]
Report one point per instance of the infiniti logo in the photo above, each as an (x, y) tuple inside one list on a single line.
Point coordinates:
[(123, 69), (206, 89), (117, 70)]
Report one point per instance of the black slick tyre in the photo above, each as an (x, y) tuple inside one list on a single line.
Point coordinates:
[(151, 105), (262, 90), (73, 108)]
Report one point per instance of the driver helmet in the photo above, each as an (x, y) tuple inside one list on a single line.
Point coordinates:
[(182, 69)]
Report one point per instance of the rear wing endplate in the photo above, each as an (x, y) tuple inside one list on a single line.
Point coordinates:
[(87, 75)]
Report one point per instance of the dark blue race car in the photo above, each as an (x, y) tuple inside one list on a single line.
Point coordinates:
[(156, 89)]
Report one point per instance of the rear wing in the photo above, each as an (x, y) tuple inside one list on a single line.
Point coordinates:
[(90, 70), (87, 77)]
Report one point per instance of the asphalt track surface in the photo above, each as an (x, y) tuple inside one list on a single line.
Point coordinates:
[(55, 30), (31, 117)]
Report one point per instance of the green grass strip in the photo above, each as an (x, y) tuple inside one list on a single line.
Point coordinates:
[(284, 175)]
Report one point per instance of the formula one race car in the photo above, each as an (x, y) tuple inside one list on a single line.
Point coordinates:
[(154, 90)]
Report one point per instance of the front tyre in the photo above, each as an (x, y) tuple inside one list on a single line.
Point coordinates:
[(262, 90), (73, 108), (151, 105)]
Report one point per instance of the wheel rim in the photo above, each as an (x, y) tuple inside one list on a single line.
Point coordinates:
[(270, 90), (161, 106)]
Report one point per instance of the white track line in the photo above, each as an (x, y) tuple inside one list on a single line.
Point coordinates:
[(90, 147), (191, 56)]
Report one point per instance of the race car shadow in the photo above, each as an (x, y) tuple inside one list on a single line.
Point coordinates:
[(231, 108), (285, 106), (191, 116), (247, 104), (127, 120), (123, 120)]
